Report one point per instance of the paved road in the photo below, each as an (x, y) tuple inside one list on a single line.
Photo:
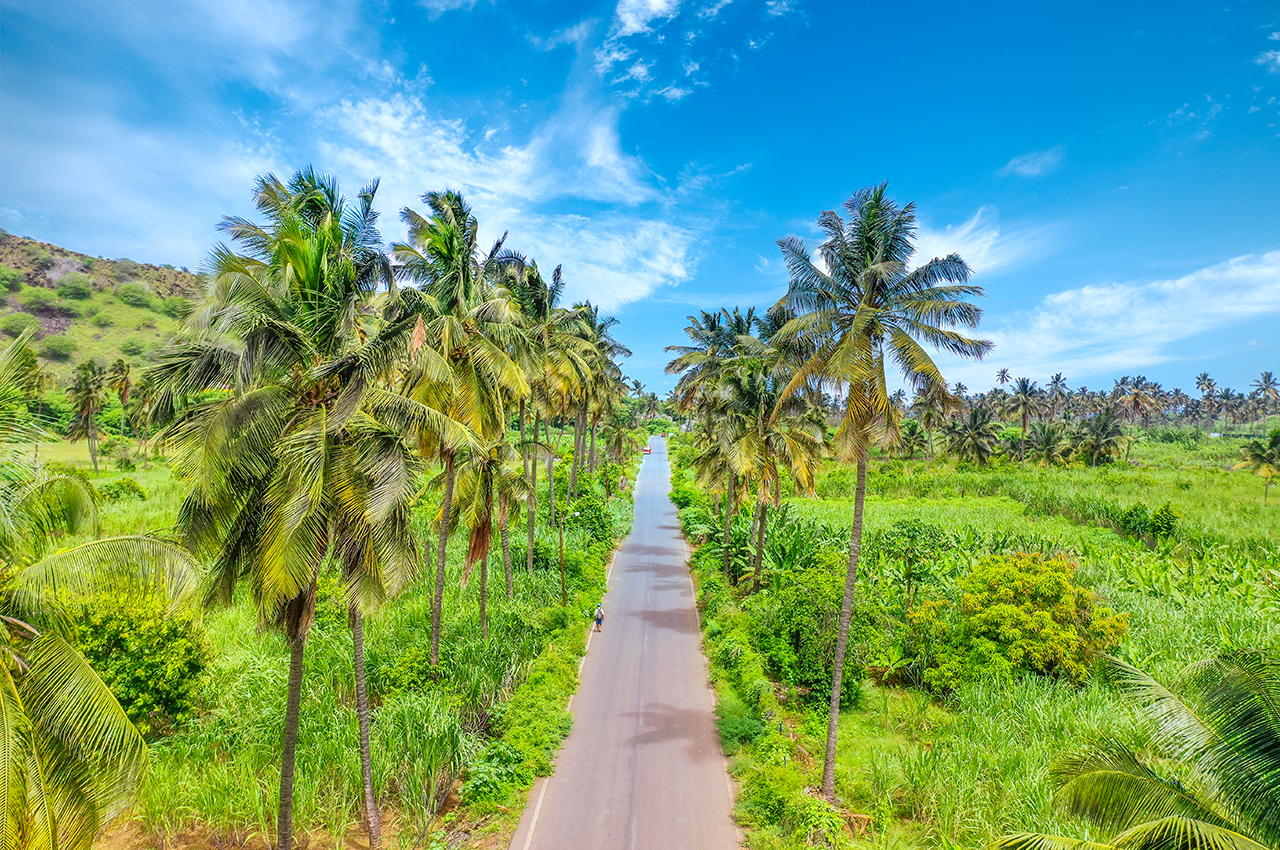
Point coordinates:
[(642, 768)]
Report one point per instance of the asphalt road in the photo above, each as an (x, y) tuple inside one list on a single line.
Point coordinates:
[(642, 768)]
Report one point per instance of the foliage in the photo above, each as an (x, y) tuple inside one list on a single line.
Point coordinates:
[(151, 661), (176, 307), (57, 347), (122, 489), (135, 295), (1018, 611), (76, 286), (592, 517), (10, 278), (15, 323)]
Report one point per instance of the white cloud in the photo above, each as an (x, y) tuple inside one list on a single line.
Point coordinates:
[(439, 6), (576, 35), (1119, 327), (674, 93), (638, 16), (1034, 164), (778, 7), (714, 8), (1270, 60), (982, 242)]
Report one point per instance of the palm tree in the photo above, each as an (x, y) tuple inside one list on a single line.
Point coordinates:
[(1208, 393), (1058, 391), (1002, 377), (308, 459), (933, 408), (1267, 389), (1101, 436), (119, 383), (1049, 444), (867, 309), (1263, 459), (87, 394), (975, 436), (1023, 402), (69, 756), (912, 438), (470, 329), (1206, 775)]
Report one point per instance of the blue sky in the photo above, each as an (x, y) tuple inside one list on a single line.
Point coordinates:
[(1111, 171)]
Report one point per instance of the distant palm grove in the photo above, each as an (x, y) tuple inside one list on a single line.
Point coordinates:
[(318, 572)]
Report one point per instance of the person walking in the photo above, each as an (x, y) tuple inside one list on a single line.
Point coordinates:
[(599, 616)]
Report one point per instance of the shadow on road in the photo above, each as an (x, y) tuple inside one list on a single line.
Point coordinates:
[(676, 621)]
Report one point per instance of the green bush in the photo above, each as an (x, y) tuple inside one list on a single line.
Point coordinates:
[(40, 258), (492, 776), (152, 662), (102, 320), (1017, 611), (592, 517), (57, 347), (176, 307), (10, 278), (132, 346), (15, 323), (38, 300), (135, 295), (737, 724), (75, 285), (123, 488)]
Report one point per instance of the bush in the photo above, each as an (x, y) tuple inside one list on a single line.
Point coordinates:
[(40, 258), (1017, 611), (38, 300), (15, 323), (132, 346), (737, 724), (135, 295), (102, 320), (492, 776), (57, 347), (592, 517), (75, 285), (176, 307), (124, 463), (152, 662), (10, 278), (123, 488)]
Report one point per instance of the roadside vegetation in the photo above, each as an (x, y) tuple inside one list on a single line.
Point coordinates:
[(366, 474), (962, 619)]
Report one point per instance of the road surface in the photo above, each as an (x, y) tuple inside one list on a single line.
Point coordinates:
[(642, 768)]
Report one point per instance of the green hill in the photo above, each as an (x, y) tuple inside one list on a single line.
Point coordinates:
[(89, 307)]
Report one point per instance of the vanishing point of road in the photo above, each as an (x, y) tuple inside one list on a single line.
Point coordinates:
[(642, 768)]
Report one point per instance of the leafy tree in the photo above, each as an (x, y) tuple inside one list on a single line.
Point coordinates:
[(975, 436), (118, 382), (1101, 436), (1206, 775), (869, 308), (1024, 402)]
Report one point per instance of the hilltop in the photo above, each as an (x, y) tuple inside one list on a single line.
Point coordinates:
[(86, 307)]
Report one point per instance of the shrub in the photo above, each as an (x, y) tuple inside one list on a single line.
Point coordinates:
[(40, 258), (123, 488), (38, 300), (15, 323), (75, 285), (491, 777), (124, 463), (132, 346), (10, 278), (737, 724), (57, 347), (1017, 611), (135, 295), (592, 517), (151, 661), (102, 320), (176, 307)]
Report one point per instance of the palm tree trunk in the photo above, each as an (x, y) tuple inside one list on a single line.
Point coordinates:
[(437, 601), (484, 596), (842, 637), (594, 427), (503, 531), (533, 493), (763, 509), (572, 491), (284, 820), (372, 818), (728, 516), (93, 445)]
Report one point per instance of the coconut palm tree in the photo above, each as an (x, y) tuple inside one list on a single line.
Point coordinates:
[(1263, 459), (1267, 389), (1057, 391), (975, 436), (471, 326), (1101, 436), (118, 382), (1024, 402), (310, 458), (1002, 377), (1049, 444), (1206, 775), (69, 756), (88, 395), (867, 309)]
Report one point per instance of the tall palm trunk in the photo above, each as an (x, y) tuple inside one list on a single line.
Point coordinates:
[(572, 490), (594, 427), (284, 819), (93, 445), (842, 637), (503, 531), (763, 509), (372, 818), (437, 601), (484, 596), (533, 493), (728, 517)]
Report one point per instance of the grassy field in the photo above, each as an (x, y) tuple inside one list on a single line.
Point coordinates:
[(921, 769)]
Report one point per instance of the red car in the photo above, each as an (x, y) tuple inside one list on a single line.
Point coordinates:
[(647, 449)]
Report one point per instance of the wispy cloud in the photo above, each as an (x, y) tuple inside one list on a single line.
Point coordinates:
[(575, 35), (1118, 327), (1269, 59), (638, 16), (983, 242), (1034, 164)]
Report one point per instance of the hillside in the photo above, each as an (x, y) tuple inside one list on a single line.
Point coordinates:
[(87, 307)]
